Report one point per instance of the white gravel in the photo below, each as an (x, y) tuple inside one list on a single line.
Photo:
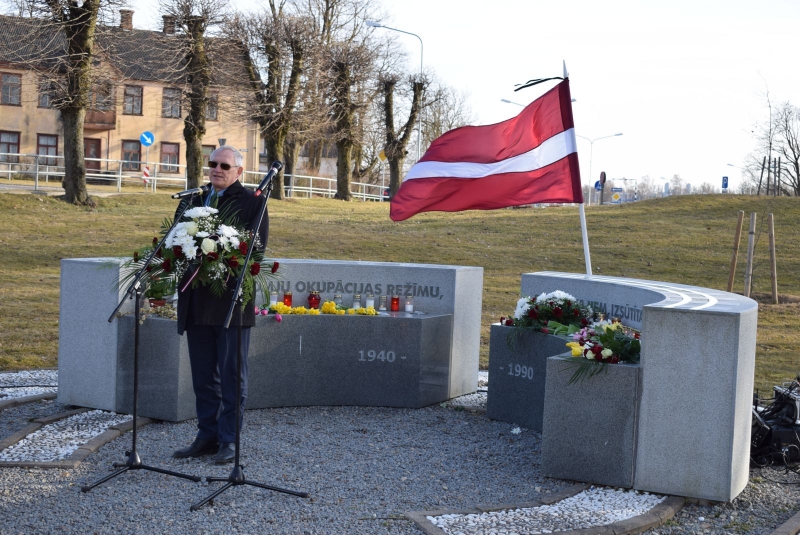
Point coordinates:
[(57, 441), (590, 508), (28, 383), (363, 467)]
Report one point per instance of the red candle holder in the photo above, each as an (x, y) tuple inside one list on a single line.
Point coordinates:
[(395, 306), (314, 299), (287, 299)]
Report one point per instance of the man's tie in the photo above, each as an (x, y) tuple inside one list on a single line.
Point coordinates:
[(213, 200)]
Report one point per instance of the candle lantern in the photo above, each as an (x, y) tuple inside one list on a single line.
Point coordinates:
[(287, 298), (314, 299), (370, 301), (356, 301), (409, 303), (395, 307), (382, 303)]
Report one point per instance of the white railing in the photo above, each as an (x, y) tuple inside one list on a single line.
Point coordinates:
[(113, 173)]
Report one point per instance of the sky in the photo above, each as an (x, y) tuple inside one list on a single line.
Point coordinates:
[(683, 81)]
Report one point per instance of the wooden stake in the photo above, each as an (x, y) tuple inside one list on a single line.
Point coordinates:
[(773, 265), (735, 257), (751, 241)]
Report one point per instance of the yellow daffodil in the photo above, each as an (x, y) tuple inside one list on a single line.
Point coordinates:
[(577, 349)]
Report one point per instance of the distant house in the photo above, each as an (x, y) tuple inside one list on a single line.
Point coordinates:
[(139, 80)]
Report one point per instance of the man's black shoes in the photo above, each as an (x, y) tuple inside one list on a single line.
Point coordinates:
[(226, 453), (197, 448)]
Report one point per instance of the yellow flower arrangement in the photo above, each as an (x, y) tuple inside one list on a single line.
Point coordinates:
[(280, 308), (367, 311), (329, 307)]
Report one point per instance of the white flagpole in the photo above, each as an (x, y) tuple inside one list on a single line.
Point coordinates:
[(587, 257)]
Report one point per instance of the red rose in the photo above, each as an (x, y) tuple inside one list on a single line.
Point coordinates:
[(502, 320), (155, 241), (165, 265), (212, 256), (576, 312), (557, 312), (177, 251), (233, 262), (509, 323), (636, 336), (243, 247), (149, 268), (255, 268), (584, 322), (533, 314), (545, 330), (614, 359), (569, 304), (275, 266)]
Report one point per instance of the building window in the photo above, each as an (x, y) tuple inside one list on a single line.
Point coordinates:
[(9, 144), (171, 103), (207, 150), (132, 155), (212, 111), (10, 89), (170, 157), (47, 145), (47, 93), (101, 97), (133, 100)]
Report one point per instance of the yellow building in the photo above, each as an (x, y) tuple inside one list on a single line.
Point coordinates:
[(139, 80)]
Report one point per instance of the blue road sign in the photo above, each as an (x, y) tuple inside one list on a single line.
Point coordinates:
[(598, 186), (147, 138), (724, 182)]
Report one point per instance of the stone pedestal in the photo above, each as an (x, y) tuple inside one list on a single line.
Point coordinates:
[(589, 428), (518, 368)]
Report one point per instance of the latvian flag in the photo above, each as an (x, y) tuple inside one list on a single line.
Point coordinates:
[(529, 159)]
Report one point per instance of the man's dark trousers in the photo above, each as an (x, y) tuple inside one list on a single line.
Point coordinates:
[(212, 352)]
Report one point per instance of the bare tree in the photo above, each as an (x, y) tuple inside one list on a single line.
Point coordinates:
[(194, 18), (445, 110), (397, 141), (60, 43), (646, 187), (787, 145), (676, 185)]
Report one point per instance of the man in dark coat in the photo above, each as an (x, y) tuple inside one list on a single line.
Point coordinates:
[(212, 347)]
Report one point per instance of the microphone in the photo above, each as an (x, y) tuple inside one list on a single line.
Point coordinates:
[(190, 192), (276, 166)]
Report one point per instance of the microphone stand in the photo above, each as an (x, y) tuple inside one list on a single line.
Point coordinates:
[(134, 291), (236, 477)]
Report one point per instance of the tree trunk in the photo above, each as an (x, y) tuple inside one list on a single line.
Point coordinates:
[(395, 148), (74, 164), (194, 125), (395, 168), (275, 153), (344, 169)]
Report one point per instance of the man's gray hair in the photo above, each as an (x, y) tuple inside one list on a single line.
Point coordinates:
[(238, 159)]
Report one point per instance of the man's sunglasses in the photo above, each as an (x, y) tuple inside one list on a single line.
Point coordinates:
[(225, 166)]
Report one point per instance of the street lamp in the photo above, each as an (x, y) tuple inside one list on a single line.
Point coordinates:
[(374, 24), (591, 152)]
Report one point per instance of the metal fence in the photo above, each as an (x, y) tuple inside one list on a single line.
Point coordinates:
[(48, 171)]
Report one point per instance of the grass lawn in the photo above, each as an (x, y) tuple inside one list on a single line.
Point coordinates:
[(685, 239)]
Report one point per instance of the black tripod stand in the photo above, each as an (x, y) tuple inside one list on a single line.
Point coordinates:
[(236, 477), (134, 462)]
